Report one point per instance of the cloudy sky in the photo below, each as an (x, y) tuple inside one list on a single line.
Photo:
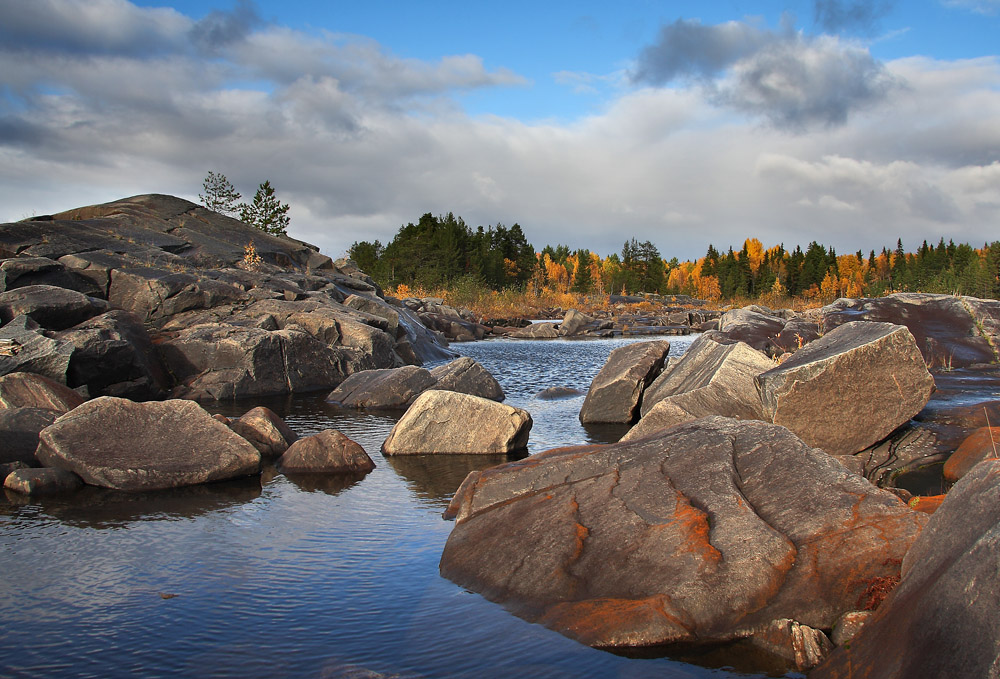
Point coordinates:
[(686, 123)]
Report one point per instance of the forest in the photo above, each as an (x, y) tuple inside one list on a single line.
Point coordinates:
[(442, 252)]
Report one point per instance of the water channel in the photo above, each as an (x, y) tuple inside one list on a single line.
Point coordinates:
[(293, 577)]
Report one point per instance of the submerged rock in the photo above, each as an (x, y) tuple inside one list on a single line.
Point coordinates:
[(450, 422), (117, 443), (849, 389), (703, 534)]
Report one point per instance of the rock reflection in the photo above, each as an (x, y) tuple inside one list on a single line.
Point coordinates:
[(331, 484), (437, 477), (101, 508)]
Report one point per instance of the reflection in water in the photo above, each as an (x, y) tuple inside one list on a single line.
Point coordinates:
[(101, 508), (289, 577), (437, 477), (331, 484)]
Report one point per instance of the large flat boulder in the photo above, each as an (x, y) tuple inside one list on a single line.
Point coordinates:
[(117, 443), (617, 390), (849, 389), (387, 388), (941, 619), (707, 533), (450, 422), (711, 378), (465, 375)]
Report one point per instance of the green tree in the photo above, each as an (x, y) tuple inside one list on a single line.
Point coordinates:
[(266, 212), (583, 280), (220, 195)]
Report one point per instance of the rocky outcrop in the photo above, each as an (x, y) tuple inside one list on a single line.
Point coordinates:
[(576, 324), (536, 331), (449, 422), (24, 347), (466, 376), (176, 267), (266, 431), (950, 331), (940, 620), (52, 308), (390, 388), (617, 390), (117, 443), (709, 379), (755, 326), (30, 390), (849, 389), (114, 356), (704, 534), (328, 452)]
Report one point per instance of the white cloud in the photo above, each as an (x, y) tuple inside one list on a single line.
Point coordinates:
[(359, 142)]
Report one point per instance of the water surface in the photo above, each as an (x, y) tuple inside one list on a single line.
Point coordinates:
[(292, 577)]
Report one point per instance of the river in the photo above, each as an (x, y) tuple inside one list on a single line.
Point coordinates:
[(277, 577)]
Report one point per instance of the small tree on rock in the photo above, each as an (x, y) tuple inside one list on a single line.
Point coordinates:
[(266, 212), (220, 195)]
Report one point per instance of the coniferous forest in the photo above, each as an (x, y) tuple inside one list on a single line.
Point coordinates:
[(441, 252)]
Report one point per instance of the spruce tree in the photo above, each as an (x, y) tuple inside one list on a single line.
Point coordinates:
[(266, 212), (220, 195)]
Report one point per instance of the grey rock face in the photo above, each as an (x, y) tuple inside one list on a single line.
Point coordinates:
[(389, 388), (114, 356), (536, 331), (329, 452), (706, 533), (617, 390), (941, 619), (52, 308), (849, 389), (19, 429), (465, 375), (116, 443), (30, 390), (449, 422), (265, 430), (709, 379), (25, 348)]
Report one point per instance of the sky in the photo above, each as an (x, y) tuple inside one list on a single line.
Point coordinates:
[(850, 123)]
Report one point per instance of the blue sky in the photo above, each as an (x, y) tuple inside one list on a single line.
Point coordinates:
[(685, 123)]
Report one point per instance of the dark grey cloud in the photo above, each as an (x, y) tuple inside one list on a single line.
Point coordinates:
[(222, 28), (850, 16), (790, 79), (689, 48), (89, 27), (798, 84)]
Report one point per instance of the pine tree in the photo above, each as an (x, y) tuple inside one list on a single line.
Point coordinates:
[(220, 195), (266, 212)]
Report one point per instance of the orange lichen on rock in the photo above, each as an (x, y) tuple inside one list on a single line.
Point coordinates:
[(927, 504), (982, 444), (617, 622)]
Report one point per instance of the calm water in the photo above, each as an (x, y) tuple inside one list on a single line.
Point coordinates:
[(279, 577)]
